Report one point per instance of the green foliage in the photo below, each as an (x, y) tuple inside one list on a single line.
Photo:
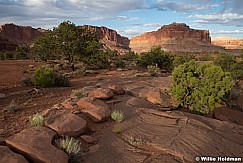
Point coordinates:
[(155, 56), (153, 70), (70, 145), (182, 58), (229, 63), (21, 52), (44, 77), (117, 116), (12, 107), (44, 47), (225, 61), (200, 87), (37, 120), (129, 56), (236, 70), (206, 58)]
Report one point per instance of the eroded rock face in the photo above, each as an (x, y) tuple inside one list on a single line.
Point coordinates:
[(176, 37), (35, 145), (111, 38), (8, 156)]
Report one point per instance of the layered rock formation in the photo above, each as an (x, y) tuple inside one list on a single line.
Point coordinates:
[(110, 38), (176, 37), (228, 42), (12, 35)]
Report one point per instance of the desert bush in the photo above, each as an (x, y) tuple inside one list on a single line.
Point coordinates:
[(120, 63), (26, 82), (46, 77), (236, 70), (129, 56), (117, 116), (37, 120), (225, 61), (200, 87), (153, 70), (70, 145), (155, 56), (206, 58), (182, 58), (12, 107)]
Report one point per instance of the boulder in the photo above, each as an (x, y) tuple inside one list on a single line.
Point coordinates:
[(8, 156), (162, 99), (66, 123), (35, 144), (96, 109), (116, 89), (101, 93)]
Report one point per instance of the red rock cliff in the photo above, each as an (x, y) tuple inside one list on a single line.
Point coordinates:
[(19, 34), (175, 37), (110, 37)]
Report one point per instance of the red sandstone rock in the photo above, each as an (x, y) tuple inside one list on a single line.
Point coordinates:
[(111, 38), (116, 89), (67, 124), (88, 139), (101, 93), (35, 144), (8, 156), (176, 37)]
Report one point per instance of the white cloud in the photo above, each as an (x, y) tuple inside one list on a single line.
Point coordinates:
[(231, 19), (228, 32), (34, 11)]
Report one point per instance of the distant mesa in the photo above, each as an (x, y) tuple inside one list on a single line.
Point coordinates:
[(176, 37), (228, 42)]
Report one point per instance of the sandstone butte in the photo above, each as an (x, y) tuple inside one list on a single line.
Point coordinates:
[(176, 37), (228, 42)]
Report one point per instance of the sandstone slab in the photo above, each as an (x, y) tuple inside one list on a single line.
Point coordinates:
[(8, 156), (35, 145), (184, 135), (88, 139), (101, 93), (66, 123), (116, 89), (96, 109)]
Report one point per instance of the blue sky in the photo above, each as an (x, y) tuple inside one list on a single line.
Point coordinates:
[(129, 17)]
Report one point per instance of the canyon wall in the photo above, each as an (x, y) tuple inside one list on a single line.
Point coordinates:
[(110, 38), (176, 37), (12, 35)]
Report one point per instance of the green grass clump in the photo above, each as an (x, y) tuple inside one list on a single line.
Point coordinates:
[(153, 70), (117, 116), (37, 120), (70, 145)]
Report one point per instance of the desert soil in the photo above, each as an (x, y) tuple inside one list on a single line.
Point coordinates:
[(142, 126)]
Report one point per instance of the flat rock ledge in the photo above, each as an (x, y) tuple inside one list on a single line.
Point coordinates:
[(35, 144)]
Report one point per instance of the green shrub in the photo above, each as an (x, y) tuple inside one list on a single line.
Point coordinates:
[(225, 61), (120, 63), (37, 120), (236, 70), (46, 77), (200, 87), (70, 145), (153, 70), (117, 116), (182, 58), (206, 58), (155, 56)]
